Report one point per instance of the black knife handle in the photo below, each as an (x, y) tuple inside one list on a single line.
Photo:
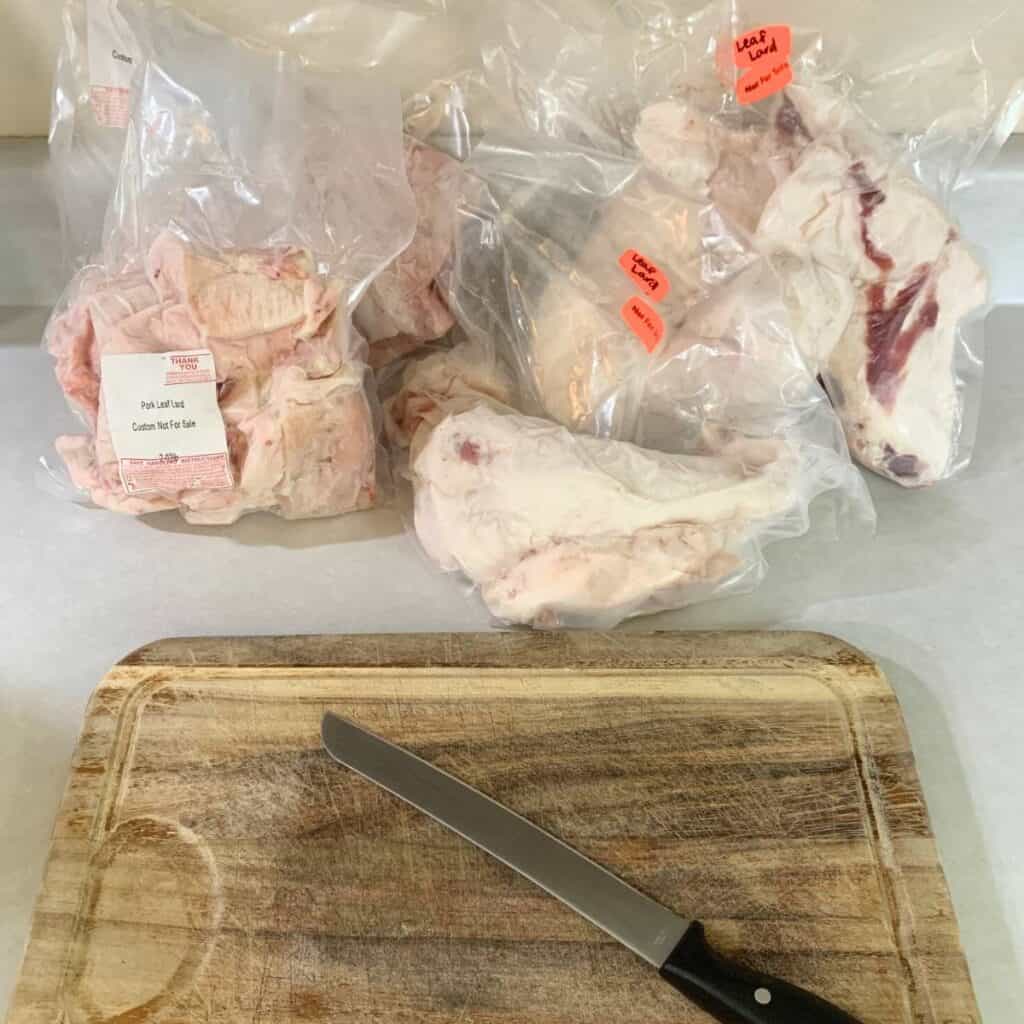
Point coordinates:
[(736, 995)]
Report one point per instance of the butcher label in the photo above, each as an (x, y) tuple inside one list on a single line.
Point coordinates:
[(165, 424), (644, 274), (762, 47), (758, 85), (642, 320), (762, 57), (110, 46)]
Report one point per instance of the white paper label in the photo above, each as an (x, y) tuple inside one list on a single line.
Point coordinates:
[(111, 48), (165, 424)]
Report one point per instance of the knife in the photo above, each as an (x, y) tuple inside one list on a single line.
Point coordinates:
[(675, 947)]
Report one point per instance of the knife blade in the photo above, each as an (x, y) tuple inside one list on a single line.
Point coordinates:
[(675, 946)]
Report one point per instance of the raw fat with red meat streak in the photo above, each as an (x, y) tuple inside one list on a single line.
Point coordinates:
[(891, 266), (876, 278)]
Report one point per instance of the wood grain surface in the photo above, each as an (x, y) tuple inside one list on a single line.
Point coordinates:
[(210, 863)]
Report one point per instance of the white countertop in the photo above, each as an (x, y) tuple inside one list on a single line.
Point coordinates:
[(937, 597)]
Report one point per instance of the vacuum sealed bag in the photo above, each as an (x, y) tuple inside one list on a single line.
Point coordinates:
[(406, 43), (210, 352), (405, 306), (560, 529), (663, 425), (409, 45), (834, 163), (875, 274), (597, 259), (88, 120)]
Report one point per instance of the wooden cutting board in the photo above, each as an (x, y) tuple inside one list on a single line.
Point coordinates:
[(211, 864)]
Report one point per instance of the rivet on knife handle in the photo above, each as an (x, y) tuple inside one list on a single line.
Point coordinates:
[(736, 995)]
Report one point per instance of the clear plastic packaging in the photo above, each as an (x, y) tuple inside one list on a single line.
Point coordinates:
[(560, 529), (210, 352), (410, 45), (441, 381), (876, 277), (88, 119), (555, 242), (841, 180), (647, 462), (563, 529), (405, 45), (405, 306), (570, 240)]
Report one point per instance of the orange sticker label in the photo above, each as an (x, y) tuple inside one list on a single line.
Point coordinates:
[(644, 274), (762, 47), (762, 57), (759, 84), (641, 319)]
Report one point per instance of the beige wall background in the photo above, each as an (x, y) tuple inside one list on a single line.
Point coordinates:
[(29, 33), (885, 33)]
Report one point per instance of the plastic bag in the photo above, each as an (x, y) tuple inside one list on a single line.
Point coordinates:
[(88, 119), (597, 260), (210, 354), (560, 529), (557, 246), (405, 307), (439, 382), (840, 178), (405, 45), (875, 275), (411, 45), (637, 314)]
